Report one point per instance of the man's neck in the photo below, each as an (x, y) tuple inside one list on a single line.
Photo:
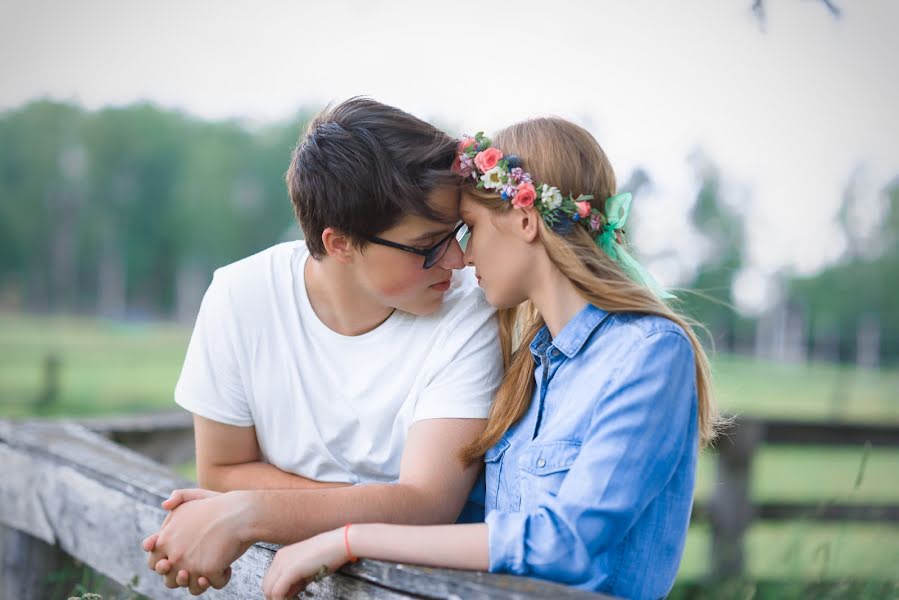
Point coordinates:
[(339, 302)]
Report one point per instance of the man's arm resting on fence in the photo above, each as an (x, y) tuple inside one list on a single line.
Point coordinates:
[(204, 537), (229, 458)]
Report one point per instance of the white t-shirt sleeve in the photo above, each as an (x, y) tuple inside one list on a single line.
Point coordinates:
[(464, 384), (210, 383)]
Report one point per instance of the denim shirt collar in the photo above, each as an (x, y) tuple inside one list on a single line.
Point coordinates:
[(573, 336)]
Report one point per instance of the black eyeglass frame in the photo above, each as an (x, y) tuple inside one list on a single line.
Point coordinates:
[(432, 255)]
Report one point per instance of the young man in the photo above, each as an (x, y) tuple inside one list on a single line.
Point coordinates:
[(357, 357)]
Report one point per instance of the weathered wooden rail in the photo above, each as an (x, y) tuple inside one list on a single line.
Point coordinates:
[(67, 490), (73, 488), (731, 510)]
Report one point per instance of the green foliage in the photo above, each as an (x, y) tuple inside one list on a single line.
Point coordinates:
[(131, 193)]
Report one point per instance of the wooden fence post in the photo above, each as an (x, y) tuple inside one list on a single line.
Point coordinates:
[(731, 510), (25, 564)]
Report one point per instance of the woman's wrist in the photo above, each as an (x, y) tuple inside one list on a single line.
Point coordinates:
[(336, 542)]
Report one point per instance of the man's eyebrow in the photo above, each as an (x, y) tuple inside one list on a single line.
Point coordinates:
[(431, 234)]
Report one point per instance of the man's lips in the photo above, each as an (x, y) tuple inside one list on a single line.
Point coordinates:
[(442, 286)]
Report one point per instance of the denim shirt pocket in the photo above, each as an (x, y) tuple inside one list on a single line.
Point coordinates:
[(543, 468), (493, 471)]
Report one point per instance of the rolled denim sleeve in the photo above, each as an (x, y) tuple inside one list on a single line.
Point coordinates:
[(639, 428)]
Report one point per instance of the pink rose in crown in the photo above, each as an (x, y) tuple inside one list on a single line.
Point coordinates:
[(583, 208), (525, 196), (466, 143), (487, 159)]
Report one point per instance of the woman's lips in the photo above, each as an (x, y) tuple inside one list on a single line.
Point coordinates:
[(442, 286)]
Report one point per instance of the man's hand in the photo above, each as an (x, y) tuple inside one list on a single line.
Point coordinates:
[(199, 539), (176, 498)]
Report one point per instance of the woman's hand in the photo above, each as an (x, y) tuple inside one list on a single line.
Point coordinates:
[(299, 564)]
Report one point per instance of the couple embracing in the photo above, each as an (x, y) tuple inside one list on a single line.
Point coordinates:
[(461, 366)]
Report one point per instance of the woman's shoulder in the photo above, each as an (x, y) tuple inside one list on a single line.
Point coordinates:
[(638, 326), (624, 336)]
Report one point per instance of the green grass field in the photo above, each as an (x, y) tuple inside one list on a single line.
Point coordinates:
[(110, 367)]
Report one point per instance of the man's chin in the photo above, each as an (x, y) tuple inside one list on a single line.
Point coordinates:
[(424, 306)]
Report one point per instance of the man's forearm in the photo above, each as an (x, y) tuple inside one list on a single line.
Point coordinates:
[(257, 476), (288, 516)]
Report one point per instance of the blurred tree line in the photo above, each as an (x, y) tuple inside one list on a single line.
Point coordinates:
[(125, 212)]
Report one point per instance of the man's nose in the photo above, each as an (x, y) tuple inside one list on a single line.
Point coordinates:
[(453, 257)]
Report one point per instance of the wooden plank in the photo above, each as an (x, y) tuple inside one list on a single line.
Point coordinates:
[(73, 488), (169, 420), (96, 501), (166, 437), (828, 511), (809, 433), (427, 582), (811, 511)]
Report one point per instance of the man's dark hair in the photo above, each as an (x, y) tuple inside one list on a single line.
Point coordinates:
[(361, 166)]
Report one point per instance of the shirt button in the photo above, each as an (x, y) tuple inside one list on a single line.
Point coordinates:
[(541, 463)]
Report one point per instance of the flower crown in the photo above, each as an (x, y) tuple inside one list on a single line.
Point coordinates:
[(492, 170)]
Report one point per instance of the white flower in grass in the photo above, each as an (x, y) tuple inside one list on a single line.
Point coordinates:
[(493, 179), (551, 197)]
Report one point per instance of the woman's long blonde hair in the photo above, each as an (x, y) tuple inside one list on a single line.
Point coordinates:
[(566, 156)]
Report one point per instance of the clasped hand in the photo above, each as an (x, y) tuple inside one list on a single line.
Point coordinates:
[(198, 540)]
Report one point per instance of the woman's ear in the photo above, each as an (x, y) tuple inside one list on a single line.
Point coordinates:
[(527, 223), (337, 245)]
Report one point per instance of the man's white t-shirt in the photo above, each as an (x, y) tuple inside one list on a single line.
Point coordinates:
[(327, 406)]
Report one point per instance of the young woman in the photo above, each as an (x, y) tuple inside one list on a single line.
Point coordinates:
[(591, 444)]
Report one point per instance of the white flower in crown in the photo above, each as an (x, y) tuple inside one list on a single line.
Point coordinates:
[(493, 179), (551, 197)]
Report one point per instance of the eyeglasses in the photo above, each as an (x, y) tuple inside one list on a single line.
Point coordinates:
[(434, 253)]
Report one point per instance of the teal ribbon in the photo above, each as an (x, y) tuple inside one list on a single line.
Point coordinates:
[(618, 207)]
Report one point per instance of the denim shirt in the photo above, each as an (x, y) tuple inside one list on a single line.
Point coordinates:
[(593, 487)]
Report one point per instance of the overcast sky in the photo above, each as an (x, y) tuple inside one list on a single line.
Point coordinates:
[(792, 112)]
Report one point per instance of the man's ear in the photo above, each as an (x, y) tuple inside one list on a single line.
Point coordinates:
[(338, 245)]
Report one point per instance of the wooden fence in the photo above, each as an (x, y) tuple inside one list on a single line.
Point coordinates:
[(67, 490), (91, 489), (731, 510)]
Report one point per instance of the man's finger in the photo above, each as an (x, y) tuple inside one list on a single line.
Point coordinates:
[(163, 566), (194, 587), (183, 578), (154, 557), (170, 581), (172, 501), (179, 497), (221, 580), (150, 543), (165, 521)]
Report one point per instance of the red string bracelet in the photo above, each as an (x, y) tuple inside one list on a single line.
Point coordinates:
[(346, 543)]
